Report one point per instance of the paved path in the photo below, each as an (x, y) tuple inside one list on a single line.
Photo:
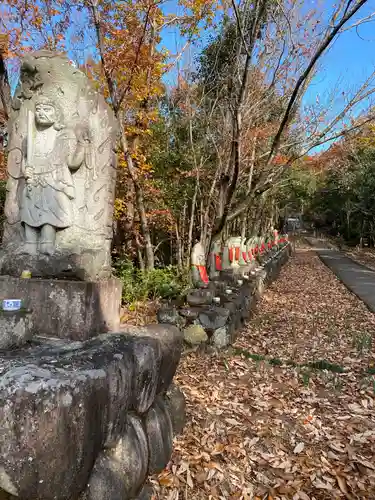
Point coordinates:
[(356, 277)]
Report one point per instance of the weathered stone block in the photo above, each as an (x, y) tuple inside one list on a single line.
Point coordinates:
[(119, 473), (221, 337), (169, 315), (190, 313), (247, 307), (200, 297), (147, 360), (82, 264), (170, 339), (230, 306), (60, 403), (15, 328), (194, 335), (213, 318), (74, 310), (176, 405), (160, 435), (260, 282)]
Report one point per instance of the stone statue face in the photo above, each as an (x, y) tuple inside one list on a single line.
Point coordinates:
[(45, 114)]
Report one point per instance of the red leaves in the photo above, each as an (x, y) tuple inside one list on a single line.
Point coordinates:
[(280, 160)]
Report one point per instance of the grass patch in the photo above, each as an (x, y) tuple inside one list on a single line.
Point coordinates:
[(305, 375), (320, 364), (139, 286), (362, 342), (275, 362), (249, 355)]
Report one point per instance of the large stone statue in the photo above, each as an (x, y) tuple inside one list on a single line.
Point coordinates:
[(62, 169), (112, 410), (48, 191)]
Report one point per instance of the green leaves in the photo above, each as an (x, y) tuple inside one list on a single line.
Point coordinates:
[(139, 285)]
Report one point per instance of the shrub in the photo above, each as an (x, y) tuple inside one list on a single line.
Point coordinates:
[(163, 283)]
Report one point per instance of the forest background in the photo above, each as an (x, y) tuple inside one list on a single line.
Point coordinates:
[(233, 116)]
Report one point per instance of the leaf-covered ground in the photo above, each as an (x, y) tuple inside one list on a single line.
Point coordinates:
[(258, 430), (365, 256)]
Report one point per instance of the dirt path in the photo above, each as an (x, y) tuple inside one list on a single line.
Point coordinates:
[(260, 431)]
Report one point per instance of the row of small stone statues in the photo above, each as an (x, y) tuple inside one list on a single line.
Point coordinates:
[(235, 253)]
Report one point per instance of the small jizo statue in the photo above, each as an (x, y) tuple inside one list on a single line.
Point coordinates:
[(53, 152), (198, 266), (234, 244), (243, 258), (215, 260)]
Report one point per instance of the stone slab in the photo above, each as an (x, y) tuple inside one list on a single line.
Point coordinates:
[(85, 265), (75, 310)]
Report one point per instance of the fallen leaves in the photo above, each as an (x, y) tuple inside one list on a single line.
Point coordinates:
[(299, 448), (257, 431)]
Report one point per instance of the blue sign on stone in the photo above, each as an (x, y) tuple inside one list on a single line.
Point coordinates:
[(12, 304)]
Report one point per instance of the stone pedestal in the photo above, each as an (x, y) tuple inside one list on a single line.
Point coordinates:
[(76, 310), (82, 264), (91, 418)]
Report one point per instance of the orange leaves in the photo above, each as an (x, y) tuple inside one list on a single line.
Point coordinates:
[(141, 162), (3, 174), (280, 160), (195, 12), (36, 25), (120, 208)]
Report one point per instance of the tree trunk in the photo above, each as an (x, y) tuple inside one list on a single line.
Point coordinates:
[(139, 201), (179, 246), (182, 231), (243, 225), (139, 253), (116, 102), (191, 224)]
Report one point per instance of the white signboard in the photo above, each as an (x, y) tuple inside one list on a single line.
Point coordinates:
[(12, 304)]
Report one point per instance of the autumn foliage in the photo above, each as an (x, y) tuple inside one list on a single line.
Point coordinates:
[(210, 127)]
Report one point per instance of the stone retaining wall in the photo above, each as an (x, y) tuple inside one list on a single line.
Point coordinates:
[(89, 420), (216, 314)]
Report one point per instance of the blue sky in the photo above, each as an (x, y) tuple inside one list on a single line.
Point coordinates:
[(350, 59), (347, 64)]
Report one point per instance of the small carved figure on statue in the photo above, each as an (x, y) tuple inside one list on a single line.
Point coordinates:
[(61, 174), (53, 152)]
